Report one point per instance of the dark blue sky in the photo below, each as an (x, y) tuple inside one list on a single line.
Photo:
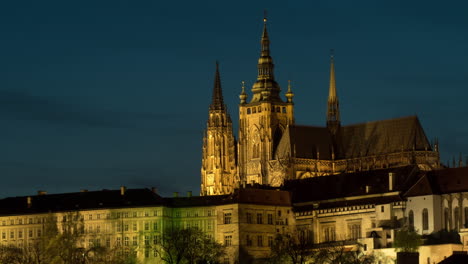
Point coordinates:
[(98, 94)]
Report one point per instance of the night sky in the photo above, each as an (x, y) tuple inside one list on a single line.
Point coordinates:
[(99, 94)]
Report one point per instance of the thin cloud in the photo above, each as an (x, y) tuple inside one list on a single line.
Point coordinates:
[(23, 106)]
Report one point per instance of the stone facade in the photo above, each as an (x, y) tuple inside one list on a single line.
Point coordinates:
[(245, 222)]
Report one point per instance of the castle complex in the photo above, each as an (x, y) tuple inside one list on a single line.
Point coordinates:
[(271, 148), (348, 184)]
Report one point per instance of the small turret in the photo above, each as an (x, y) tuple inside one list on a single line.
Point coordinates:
[(243, 95), (289, 94)]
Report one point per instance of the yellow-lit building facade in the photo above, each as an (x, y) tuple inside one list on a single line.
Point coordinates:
[(134, 220)]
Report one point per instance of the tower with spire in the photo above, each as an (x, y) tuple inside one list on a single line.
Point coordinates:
[(262, 120), (218, 171)]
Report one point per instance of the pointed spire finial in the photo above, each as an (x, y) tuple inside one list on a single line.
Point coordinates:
[(333, 109), (217, 100), (243, 95), (289, 94)]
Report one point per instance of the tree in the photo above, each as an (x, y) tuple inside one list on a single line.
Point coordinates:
[(294, 247), (189, 245), (340, 254), (407, 240)]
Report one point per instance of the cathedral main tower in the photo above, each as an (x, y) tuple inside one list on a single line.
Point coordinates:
[(218, 171), (262, 121)]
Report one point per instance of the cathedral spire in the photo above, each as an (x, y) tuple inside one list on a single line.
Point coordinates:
[(333, 109), (265, 83), (217, 100)]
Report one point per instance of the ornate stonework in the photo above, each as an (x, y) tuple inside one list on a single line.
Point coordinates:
[(272, 149)]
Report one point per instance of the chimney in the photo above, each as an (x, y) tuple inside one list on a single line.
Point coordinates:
[(391, 181), (123, 189), (29, 201), (176, 194), (368, 188), (154, 190), (41, 192), (189, 194)]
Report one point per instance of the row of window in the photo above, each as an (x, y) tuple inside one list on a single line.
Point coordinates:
[(253, 110), (21, 234), (258, 241), (193, 213), (259, 218), (147, 226), (21, 221), (329, 232), (147, 240)]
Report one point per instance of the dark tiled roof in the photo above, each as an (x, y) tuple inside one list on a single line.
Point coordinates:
[(442, 181), (351, 184), (308, 142), (79, 201), (352, 141), (386, 136), (250, 195), (107, 199)]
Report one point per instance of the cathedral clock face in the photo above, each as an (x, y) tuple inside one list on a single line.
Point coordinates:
[(210, 179)]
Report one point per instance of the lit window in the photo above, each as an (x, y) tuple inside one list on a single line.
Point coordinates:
[(411, 220), (227, 218), (270, 219), (227, 240), (260, 241), (259, 218), (249, 218), (425, 219)]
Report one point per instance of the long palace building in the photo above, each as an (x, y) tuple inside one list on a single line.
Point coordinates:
[(356, 184)]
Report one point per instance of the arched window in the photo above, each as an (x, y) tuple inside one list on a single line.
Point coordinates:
[(466, 217), (446, 219), (425, 219), (411, 220), (278, 109), (284, 110), (259, 109), (248, 111), (456, 218)]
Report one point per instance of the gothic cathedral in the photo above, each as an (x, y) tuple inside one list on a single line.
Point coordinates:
[(272, 148)]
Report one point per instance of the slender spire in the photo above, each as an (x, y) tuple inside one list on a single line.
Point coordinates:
[(333, 109), (332, 88), (217, 100), (265, 77)]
